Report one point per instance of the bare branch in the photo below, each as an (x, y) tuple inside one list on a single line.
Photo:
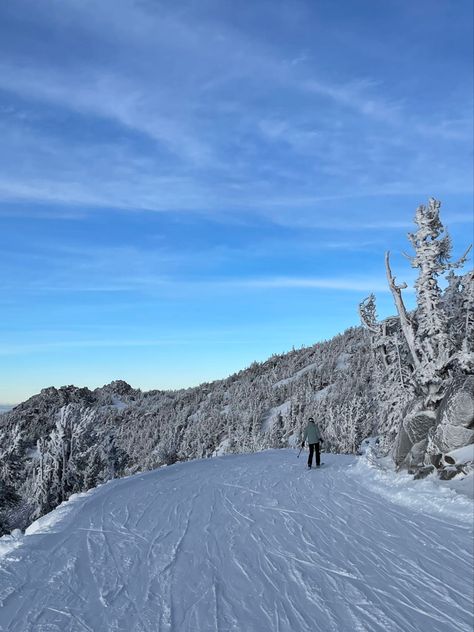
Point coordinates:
[(367, 313), (390, 277), (405, 322), (461, 261)]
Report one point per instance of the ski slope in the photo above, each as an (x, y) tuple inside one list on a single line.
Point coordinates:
[(248, 543)]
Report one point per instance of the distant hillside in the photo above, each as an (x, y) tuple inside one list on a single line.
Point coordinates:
[(409, 381), (116, 430)]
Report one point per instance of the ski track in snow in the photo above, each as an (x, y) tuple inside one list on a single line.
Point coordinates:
[(248, 543)]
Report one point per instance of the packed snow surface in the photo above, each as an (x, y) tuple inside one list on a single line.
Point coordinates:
[(249, 543)]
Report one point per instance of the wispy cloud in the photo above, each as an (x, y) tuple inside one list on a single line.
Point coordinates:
[(228, 336), (210, 142), (338, 284), (356, 95), (151, 284), (7, 349), (135, 101), (168, 272)]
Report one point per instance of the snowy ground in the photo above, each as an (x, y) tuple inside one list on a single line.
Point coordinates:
[(247, 543)]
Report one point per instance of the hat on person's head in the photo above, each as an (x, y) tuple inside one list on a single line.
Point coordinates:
[(310, 419)]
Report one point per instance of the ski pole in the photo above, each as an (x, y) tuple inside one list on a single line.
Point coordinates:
[(299, 452)]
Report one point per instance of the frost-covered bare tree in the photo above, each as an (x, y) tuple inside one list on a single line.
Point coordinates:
[(75, 456), (431, 351), (466, 358)]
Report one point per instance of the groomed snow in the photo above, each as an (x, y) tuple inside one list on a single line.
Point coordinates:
[(248, 543)]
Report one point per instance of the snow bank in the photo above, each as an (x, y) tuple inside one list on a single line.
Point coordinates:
[(462, 455), (46, 523), (9, 543), (427, 495)]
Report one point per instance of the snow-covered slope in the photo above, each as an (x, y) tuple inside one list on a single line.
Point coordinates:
[(246, 543)]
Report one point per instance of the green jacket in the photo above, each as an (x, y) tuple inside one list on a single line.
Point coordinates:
[(312, 433)]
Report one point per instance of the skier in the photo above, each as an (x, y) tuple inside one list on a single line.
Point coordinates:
[(314, 437)]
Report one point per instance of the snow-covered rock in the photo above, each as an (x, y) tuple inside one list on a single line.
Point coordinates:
[(455, 427), (417, 424), (461, 456)]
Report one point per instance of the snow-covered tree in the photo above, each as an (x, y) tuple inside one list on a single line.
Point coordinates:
[(429, 345), (75, 457), (466, 356), (43, 476), (9, 498), (11, 449), (432, 351)]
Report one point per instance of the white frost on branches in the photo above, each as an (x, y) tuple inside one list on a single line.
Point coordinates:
[(433, 351)]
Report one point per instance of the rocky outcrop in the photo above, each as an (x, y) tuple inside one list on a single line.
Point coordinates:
[(425, 436), (412, 438), (119, 388), (402, 447), (455, 418)]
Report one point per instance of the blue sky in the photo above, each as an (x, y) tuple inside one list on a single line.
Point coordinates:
[(186, 187)]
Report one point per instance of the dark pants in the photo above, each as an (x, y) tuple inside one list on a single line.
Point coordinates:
[(314, 447)]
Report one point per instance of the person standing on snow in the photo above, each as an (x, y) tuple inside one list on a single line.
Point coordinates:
[(312, 434)]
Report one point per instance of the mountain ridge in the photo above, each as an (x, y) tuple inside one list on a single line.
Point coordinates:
[(407, 380)]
